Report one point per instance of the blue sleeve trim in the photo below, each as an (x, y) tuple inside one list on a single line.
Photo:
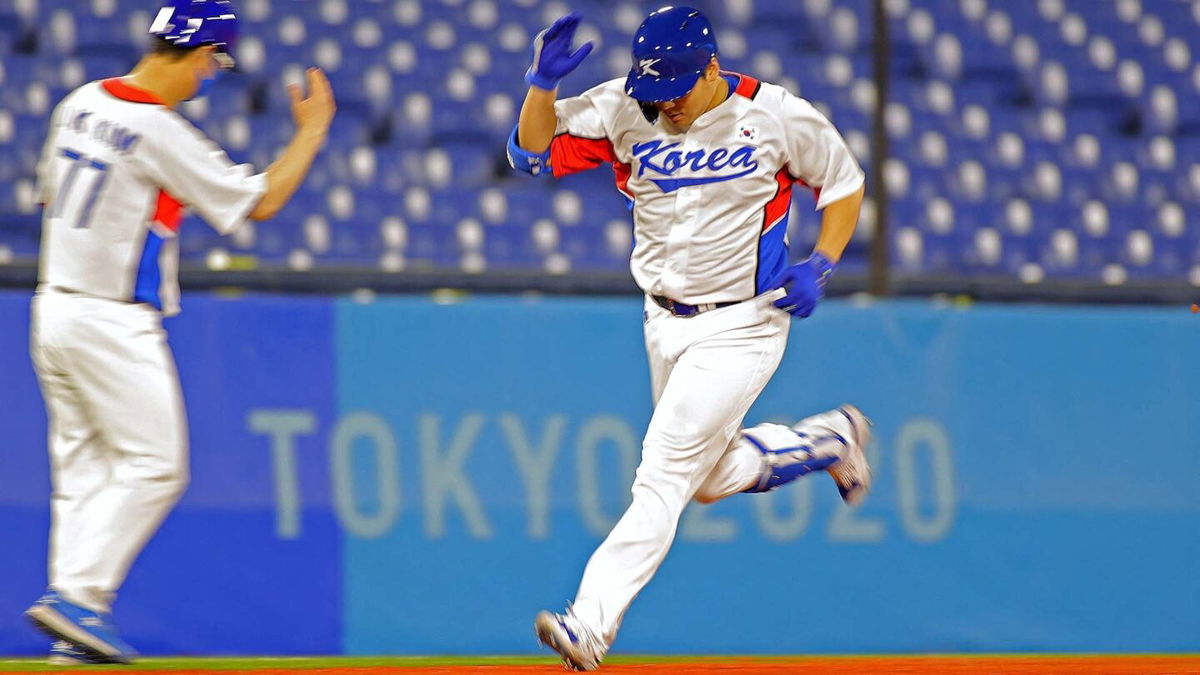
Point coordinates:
[(522, 160)]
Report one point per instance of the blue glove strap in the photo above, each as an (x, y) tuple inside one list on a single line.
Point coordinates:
[(536, 79), (525, 161), (824, 267)]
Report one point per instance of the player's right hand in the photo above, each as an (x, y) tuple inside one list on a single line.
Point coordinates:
[(804, 283), (552, 55), (315, 113)]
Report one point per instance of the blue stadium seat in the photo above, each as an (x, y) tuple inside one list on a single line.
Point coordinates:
[(427, 93)]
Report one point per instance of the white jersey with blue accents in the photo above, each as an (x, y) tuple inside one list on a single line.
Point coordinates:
[(117, 169), (710, 205)]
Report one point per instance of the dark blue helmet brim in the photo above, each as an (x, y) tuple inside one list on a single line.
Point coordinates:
[(650, 89)]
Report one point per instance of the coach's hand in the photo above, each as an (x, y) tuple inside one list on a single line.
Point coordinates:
[(552, 55), (805, 285), (314, 114)]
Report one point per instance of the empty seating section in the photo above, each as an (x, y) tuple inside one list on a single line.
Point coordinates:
[(1031, 139)]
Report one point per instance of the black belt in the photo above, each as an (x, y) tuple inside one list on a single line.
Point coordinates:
[(680, 309)]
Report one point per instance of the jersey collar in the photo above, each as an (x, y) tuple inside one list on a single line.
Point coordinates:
[(742, 86), (746, 86), (117, 87)]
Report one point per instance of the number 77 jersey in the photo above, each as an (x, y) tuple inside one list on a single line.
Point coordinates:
[(710, 205), (116, 171)]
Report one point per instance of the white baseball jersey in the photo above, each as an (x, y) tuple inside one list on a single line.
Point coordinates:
[(117, 168), (710, 205)]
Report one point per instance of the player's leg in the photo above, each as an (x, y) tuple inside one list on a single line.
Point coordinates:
[(119, 363), (769, 455), (79, 461), (564, 633), (81, 469), (723, 365), (128, 376)]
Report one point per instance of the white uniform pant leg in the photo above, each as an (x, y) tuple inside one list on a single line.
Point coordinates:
[(115, 360), (80, 462), (717, 364)]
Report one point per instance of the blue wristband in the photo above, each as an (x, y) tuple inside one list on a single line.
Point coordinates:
[(536, 79), (824, 267)]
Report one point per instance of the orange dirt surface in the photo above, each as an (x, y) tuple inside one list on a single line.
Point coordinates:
[(953, 665)]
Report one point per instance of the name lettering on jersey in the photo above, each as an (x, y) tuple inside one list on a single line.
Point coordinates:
[(665, 160), (110, 133)]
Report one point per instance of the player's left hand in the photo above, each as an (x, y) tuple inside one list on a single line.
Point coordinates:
[(313, 113), (553, 58), (805, 285)]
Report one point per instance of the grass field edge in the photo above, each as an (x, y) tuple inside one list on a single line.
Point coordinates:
[(253, 663)]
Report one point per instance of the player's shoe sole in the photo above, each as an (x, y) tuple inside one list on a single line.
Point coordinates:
[(852, 473), (91, 643), (63, 653), (553, 632)]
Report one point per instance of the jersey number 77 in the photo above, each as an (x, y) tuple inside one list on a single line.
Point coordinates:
[(75, 202)]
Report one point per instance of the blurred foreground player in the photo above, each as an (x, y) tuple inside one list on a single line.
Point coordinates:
[(706, 160), (117, 170)]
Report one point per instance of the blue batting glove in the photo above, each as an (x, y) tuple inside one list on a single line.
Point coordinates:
[(805, 285), (552, 55)]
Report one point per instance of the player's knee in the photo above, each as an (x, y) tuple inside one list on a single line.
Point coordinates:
[(703, 498), (166, 479), (170, 484), (177, 484), (659, 503)]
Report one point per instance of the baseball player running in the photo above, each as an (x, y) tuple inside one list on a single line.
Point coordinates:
[(706, 160), (118, 168)]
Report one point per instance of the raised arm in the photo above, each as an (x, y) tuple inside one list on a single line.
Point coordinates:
[(553, 58), (312, 116), (535, 128)]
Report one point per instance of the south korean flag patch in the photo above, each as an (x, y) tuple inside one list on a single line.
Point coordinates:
[(747, 134)]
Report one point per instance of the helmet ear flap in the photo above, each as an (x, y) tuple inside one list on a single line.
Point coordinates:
[(649, 111)]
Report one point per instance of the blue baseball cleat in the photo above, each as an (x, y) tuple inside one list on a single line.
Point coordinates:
[(88, 632), (63, 653)]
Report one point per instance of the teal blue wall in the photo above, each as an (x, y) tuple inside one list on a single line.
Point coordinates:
[(440, 472)]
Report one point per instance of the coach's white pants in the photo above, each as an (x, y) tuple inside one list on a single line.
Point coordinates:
[(706, 372), (118, 438)]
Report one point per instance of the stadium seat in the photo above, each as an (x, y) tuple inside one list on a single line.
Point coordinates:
[(1019, 119)]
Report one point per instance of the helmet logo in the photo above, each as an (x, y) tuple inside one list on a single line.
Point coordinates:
[(160, 21), (647, 66)]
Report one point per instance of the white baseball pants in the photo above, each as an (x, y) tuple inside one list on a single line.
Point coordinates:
[(118, 437), (706, 372)]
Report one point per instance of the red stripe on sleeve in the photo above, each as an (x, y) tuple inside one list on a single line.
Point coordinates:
[(572, 154), (169, 212)]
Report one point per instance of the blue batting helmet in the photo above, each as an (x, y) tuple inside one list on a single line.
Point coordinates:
[(192, 23), (671, 49)]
